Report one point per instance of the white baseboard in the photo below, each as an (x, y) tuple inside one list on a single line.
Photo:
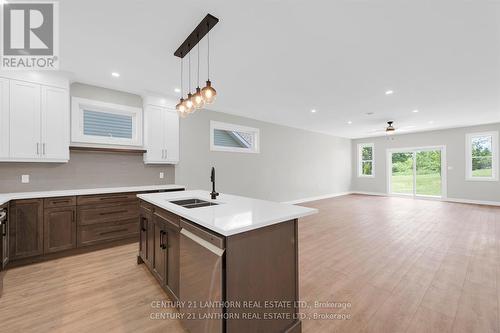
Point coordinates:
[(369, 193), (320, 197), (474, 202), (333, 195), (466, 201)]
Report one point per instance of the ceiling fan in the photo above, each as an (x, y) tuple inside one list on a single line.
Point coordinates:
[(391, 129)]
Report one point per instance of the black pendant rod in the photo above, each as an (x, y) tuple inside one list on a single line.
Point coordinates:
[(194, 38)]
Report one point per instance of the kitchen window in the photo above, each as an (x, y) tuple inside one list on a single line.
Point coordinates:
[(233, 138), (366, 160), (482, 156), (95, 122)]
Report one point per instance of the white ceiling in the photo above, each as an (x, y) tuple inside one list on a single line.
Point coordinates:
[(275, 60)]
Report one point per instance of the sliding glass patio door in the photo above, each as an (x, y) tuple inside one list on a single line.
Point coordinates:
[(417, 172)]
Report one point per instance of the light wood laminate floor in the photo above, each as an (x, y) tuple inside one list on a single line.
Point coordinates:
[(403, 265)]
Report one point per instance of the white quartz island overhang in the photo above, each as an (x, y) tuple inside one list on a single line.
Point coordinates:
[(232, 214)]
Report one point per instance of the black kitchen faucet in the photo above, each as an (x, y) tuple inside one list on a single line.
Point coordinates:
[(214, 194)]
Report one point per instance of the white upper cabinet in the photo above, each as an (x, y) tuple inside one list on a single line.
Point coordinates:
[(55, 123), (4, 118), (25, 117), (161, 132), (171, 121), (34, 122)]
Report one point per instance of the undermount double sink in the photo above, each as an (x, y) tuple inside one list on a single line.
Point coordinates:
[(193, 203)]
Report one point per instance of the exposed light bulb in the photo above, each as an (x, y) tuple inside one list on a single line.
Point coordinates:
[(208, 93), (189, 103), (198, 101)]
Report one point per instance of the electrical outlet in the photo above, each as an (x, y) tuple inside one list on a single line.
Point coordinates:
[(162, 175), (25, 179)]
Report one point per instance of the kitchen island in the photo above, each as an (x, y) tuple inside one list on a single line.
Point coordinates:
[(229, 265)]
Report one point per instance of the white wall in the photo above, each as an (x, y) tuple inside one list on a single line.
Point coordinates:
[(292, 163), (453, 139)]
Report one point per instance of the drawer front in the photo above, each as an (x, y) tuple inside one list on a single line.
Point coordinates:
[(59, 202), (202, 233), (112, 213), (106, 198), (170, 218), (99, 233), (146, 207)]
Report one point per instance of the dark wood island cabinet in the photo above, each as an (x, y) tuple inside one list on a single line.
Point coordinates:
[(242, 279)]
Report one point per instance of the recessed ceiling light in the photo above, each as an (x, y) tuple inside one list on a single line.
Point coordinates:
[(349, 122), (177, 90), (415, 111), (115, 74), (431, 122), (389, 92), (313, 111)]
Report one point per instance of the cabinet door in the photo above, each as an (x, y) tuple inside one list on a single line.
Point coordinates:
[(150, 244), (171, 136), (160, 256), (59, 229), (154, 134), (26, 228), (24, 120), (143, 238), (55, 124), (4, 118), (172, 282)]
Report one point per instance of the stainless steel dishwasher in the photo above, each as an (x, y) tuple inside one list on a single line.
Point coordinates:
[(200, 280)]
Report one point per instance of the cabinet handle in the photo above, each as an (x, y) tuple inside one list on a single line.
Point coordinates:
[(111, 198), (43, 148), (74, 216), (163, 246), (38, 148), (112, 232), (114, 212), (166, 153), (142, 224)]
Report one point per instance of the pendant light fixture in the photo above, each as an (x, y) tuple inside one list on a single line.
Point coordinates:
[(208, 93), (189, 100), (198, 100), (181, 107)]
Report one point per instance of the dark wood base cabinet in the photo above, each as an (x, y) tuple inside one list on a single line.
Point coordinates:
[(195, 266), (42, 229)]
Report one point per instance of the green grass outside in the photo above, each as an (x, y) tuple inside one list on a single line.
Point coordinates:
[(429, 184), (482, 173)]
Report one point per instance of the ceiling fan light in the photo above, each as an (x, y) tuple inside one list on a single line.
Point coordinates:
[(390, 129), (198, 100), (209, 93)]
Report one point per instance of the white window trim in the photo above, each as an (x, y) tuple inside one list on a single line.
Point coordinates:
[(255, 149), (360, 167), (77, 136), (468, 157)]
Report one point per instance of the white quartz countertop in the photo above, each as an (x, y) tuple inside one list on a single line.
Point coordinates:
[(5, 197), (232, 215)]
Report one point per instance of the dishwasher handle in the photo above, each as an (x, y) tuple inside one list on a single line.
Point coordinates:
[(200, 241)]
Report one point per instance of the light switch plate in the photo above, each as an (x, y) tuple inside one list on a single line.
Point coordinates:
[(25, 179), (162, 175)]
